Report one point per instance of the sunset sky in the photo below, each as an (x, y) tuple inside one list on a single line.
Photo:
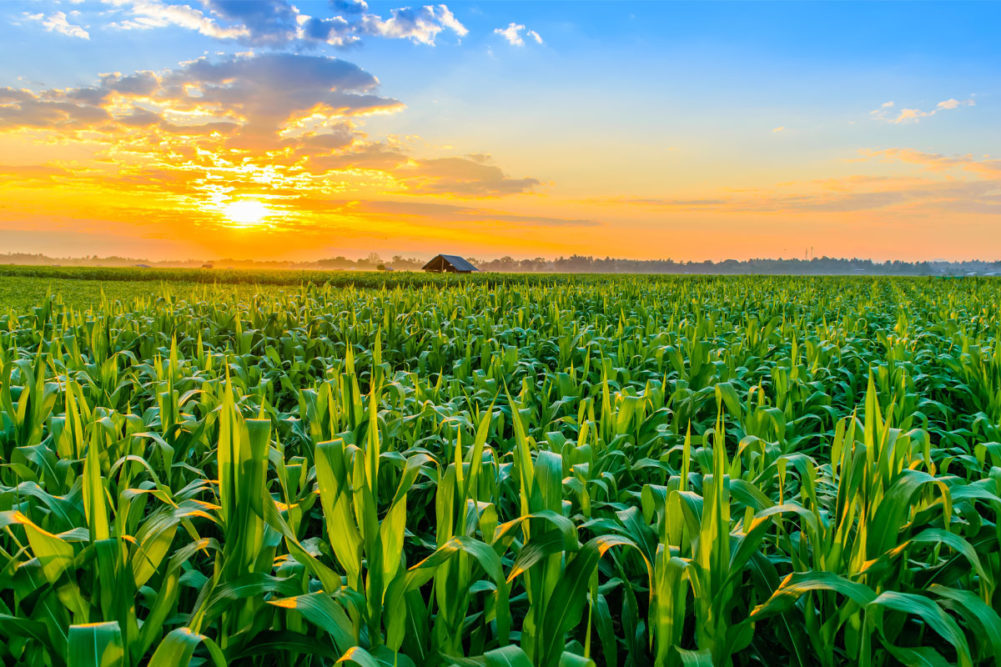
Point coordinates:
[(282, 129)]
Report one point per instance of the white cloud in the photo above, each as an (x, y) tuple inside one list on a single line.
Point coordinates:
[(279, 22), (57, 22), (908, 115), (447, 19), (418, 25), (512, 33), (147, 14)]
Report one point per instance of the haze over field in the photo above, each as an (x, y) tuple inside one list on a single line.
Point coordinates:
[(303, 130)]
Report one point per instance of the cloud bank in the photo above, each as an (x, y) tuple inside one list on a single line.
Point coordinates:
[(283, 128), (279, 23), (939, 187)]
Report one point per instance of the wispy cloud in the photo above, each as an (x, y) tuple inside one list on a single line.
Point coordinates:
[(471, 176), (268, 22), (978, 192), (513, 34), (58, 22), (986, 167), (889, 113), (438, 212)]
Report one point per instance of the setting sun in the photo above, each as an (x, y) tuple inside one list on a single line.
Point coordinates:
[(247, 212)]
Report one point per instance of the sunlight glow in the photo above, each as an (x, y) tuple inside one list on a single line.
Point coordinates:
[(246, 212)]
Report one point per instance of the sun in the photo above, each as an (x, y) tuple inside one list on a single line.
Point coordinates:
[(246, 212)]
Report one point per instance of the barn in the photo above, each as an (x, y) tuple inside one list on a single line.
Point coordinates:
[(449, 264)]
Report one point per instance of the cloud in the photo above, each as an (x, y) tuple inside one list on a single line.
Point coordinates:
[(418, 25), (149, 14), (278, 23), (51, 109), (926, 195), (512, 33), (472, 176), (253, 99), (469, 176), (284, 128), (987, 168), (886, 112), (780, 128), (436, 213), (268, 22), (350, 6), (980, 192), (335, 31), (58, 22)]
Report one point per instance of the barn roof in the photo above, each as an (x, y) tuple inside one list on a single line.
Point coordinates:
[(458, 262)]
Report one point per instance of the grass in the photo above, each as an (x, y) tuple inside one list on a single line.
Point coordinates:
[(359, 279), (530, 471)]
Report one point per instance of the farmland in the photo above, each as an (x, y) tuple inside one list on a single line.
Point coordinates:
[(537, 470)]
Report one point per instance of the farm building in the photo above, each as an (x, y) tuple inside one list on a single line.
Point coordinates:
[(449, 264)]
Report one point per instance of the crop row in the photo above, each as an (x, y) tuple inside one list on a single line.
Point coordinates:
[(625, 471)]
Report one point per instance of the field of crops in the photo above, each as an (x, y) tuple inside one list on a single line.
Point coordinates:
[(556, 471)]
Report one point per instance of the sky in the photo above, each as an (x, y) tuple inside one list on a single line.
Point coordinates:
[(299, 130)]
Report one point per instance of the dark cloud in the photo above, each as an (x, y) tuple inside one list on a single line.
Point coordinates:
[(15, 95), (269, 22), (333, 139), (257, 94), (140, 118), (51, 109), (279, 83), (92, 96), (334, 30), (140, 83), (349, 6)]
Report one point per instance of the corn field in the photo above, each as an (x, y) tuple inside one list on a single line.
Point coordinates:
[(557, 472)]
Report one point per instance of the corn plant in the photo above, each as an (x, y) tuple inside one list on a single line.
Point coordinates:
[(534, 470)]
